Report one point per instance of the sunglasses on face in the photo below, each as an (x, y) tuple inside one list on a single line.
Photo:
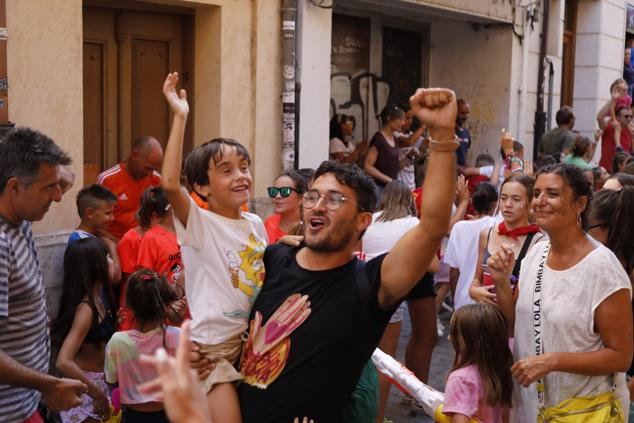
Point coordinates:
[(283, 191)]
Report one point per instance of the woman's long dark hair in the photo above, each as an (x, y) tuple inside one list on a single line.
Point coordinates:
[(614, 210), (335, 125), (85, 268), (479, 335)]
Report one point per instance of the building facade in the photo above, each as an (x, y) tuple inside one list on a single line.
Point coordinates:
[(487, 51), (89, 73)]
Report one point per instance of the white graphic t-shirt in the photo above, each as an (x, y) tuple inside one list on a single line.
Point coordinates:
[(224, 271)]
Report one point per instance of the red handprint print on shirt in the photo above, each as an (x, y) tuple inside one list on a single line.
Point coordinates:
[(266, 351)]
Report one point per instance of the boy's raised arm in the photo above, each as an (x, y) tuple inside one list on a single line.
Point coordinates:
[(171, 172)]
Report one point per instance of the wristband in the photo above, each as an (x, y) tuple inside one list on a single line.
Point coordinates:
[(444, 146)]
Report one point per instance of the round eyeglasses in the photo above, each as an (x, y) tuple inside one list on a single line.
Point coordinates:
[(283, 191), (334, 200)]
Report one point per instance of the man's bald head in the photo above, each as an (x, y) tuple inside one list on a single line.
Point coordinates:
[(146, 156), (145, 144)]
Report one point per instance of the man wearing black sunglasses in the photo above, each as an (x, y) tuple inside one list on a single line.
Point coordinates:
[(321, 312)]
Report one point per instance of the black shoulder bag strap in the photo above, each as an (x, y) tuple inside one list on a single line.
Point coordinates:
[(522, 254), (363, 284)]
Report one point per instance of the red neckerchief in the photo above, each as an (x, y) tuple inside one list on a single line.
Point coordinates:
[(517, 232)]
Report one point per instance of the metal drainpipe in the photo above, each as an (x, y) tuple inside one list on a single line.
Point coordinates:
[(5, 125), (289, 69), (551, 77), (540, 115)]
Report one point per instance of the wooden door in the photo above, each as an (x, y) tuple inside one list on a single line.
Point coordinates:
[(127, 54), (402, 63), (568, 54)]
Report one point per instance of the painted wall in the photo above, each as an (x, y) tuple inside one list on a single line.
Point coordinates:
[(477, 66), (599, 59), (314, 77), (238, 68), (237, 93), (45, 84)]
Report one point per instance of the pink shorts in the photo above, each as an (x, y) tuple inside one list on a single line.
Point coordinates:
[(84, 411)]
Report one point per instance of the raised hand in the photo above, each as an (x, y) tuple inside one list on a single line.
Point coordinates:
[(483, 294), (506, 142), (462, 189), (177, 101), (528, 168), (501, 266), (436, 108)]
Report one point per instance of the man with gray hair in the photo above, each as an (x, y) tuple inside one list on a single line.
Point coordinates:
[(32, 176)]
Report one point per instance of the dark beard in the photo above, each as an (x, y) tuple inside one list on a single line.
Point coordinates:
[(336, 241)]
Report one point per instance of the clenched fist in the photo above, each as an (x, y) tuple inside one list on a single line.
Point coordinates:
[(436, 108)]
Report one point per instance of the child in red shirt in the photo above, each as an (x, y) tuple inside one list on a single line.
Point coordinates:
[(159, 250)]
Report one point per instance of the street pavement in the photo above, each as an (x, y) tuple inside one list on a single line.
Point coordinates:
[(442, 358)]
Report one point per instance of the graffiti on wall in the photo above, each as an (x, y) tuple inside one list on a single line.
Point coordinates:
[(362, 95)]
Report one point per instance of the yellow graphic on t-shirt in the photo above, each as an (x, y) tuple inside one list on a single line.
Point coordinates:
[(247, 272), (253, 263)]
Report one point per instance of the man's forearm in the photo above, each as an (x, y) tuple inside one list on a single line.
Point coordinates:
[(439, 187), (602, 113), (14, 374)]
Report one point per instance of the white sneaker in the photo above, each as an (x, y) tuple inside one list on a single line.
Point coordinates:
[(440, 327)]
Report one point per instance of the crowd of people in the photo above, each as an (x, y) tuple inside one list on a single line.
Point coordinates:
[(180, 305)]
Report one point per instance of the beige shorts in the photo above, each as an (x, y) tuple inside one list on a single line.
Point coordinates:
[(225, 355)]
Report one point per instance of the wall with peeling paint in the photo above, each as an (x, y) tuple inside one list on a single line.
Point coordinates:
[(477, 66)]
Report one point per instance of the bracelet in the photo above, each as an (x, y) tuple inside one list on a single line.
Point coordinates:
[(444, 146)]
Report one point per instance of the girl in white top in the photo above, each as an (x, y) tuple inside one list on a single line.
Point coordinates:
[(396, 216), (343, 147), (583, 300)]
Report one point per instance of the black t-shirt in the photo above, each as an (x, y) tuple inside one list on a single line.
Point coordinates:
[(312, 372), (387, 157)]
